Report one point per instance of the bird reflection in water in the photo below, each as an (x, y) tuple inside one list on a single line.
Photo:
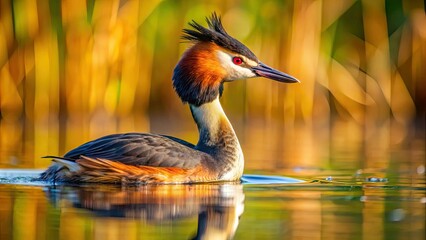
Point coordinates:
[(218, 206)]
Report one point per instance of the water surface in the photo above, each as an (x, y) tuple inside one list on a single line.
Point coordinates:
[(343, 206)]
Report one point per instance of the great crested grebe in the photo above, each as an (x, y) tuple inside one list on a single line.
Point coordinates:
[(198, 78)]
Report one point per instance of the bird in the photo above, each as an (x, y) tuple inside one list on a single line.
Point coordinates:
[(213, 59)]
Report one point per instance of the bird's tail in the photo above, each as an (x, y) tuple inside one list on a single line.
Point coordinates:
[(62, 169)]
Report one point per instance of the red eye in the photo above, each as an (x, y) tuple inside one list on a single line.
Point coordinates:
[(237, 60)]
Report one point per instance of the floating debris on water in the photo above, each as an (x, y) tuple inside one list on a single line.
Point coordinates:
[(397, 215), (421, 169), (376, 179)]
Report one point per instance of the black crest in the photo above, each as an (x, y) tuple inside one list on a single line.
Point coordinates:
[(217, 34)]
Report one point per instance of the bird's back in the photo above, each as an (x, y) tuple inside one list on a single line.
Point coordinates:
[(141, 149)]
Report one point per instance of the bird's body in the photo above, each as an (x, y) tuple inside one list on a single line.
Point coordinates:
[(198, 79)]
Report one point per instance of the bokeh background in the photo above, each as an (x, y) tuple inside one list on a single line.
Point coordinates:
[(74, 70)]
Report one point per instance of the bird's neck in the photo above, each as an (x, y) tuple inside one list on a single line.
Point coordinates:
[(212, 123), (217, 137)]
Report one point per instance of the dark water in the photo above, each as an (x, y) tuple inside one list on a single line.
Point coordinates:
[(347, 205)]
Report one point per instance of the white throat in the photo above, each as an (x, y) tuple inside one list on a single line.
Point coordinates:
[(218, 138), (210, 118)]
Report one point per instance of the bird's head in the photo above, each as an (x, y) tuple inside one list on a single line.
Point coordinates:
[(216, 58)]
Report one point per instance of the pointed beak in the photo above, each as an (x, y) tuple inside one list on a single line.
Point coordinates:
[(263, 70)]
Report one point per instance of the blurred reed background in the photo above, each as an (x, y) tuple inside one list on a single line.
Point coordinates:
[(71, 71)]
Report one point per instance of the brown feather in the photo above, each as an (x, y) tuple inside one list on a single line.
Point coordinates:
[(208, 72), (106, 171)]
